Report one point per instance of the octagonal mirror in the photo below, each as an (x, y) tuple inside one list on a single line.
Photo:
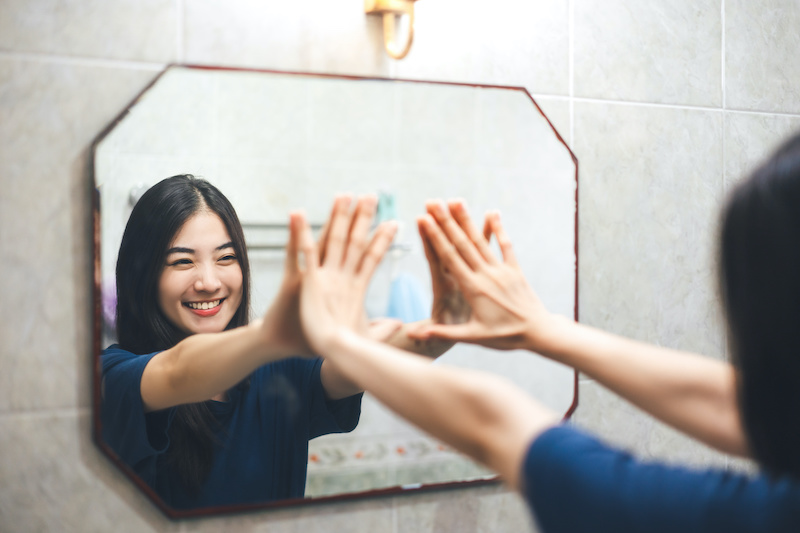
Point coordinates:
[(273, 142)]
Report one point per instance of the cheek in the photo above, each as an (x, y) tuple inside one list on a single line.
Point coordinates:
[(235, 283), (166, 291)]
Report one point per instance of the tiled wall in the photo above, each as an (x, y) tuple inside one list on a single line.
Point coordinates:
[(664, 103)]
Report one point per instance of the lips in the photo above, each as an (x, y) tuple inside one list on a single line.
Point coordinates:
[(205, 309)]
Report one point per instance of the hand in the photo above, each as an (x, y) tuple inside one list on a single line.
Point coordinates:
[(381, 329), (333, 288), (506, 313), (449, 305), (281, 323)]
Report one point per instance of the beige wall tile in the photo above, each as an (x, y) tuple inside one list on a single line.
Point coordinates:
[(650, 186), (476, 510), (333, 37), (761, 59), (140, 30), (557, 111), (45, 224), (502, 43), (664, 52), (54, 479), (364, 516), (750, 138)]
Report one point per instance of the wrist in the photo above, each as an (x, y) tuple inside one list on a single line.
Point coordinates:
[(549, 335), (336, 341), (270, 347)]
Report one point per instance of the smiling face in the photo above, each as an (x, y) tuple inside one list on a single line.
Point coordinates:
[(200, 287)]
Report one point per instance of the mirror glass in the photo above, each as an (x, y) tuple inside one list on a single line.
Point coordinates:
[(273, 142)]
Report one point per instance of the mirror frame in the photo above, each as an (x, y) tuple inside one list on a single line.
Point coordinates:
[(97, 319)]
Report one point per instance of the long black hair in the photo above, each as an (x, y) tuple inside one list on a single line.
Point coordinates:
[(760, 286), (141, 325)]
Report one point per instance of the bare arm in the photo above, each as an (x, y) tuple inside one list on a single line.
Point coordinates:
[(694, 394), (482, 415), (203, 366)]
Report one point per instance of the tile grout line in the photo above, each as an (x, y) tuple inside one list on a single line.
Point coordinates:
[(49, 412), (571, 32), (684, 107), (724, 151), (83, 61), (722, 66)]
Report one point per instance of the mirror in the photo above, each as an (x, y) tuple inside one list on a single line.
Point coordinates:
[(273, 142)]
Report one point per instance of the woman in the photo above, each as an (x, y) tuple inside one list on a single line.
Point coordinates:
[(572, 481), (204, 406)]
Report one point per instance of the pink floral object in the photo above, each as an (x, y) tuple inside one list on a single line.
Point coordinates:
[(109, 300)]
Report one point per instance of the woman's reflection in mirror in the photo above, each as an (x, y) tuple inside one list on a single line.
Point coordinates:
[(206, 406), (572, 480)]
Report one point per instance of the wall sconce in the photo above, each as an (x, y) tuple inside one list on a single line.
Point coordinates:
[(391, 9)]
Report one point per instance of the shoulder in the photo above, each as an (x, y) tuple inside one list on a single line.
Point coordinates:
[(117, 359), (567, 470)]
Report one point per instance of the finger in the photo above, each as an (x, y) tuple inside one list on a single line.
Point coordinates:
[(487, 226), (322, 241), (376, 249), (445, 251), (291, 265), (338, 225), (305, 241), (506, 248), (434, 263), (452, 332), (382, 329), (455, 234), (459, 212), (359, 231)]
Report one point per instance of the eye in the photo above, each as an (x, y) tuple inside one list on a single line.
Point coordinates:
[(227, 258), (180, 262)]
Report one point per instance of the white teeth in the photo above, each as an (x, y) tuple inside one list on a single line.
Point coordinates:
[(204, 305)]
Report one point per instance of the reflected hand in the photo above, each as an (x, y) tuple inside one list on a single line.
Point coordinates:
[(506, 313), (449, 305), (281, 323), (333, 285)]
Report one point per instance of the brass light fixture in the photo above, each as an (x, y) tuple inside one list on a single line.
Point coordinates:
[(391, 10)]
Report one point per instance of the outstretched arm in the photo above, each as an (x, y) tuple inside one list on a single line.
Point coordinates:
[(694, 394), (484, 416)]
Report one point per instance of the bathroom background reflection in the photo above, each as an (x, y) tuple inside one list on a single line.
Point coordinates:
[(275, 142)]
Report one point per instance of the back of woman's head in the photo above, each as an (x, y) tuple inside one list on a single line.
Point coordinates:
[(760, 283), (155, 220)]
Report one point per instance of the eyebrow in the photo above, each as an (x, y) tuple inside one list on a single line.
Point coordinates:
[(180, 250)]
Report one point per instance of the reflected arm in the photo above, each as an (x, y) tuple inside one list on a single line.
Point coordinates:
[(205, 365)]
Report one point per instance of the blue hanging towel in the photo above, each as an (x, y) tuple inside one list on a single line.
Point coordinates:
[(407, 299)]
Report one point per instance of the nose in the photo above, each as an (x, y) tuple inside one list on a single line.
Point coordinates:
[(207, 280)]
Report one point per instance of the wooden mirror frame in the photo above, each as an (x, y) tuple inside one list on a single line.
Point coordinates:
[(98, 322)]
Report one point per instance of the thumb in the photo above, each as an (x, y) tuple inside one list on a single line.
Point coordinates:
[(451, 332), (381, 329)]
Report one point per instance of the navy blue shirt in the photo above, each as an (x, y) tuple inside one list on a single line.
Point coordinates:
[(574, 483), (264, 431)]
